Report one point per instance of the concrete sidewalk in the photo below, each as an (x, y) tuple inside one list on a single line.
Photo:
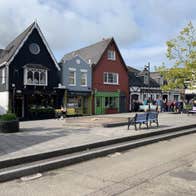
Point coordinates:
[(48, 135)]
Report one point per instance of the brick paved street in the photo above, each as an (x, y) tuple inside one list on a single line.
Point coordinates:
[(47, 135)]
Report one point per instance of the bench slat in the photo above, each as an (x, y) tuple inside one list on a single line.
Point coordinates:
[(145, 118)]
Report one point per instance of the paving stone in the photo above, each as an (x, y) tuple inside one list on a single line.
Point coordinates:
[(47, 135)]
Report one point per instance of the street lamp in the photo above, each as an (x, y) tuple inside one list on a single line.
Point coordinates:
[(147, 67), (13, 97)]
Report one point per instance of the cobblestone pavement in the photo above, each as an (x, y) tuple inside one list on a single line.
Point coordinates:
[(47, 135)]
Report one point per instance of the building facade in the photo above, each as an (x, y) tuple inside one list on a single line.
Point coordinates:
[(76, 76), (110, 81), (29, 72), (172, 95), (142, 87), (109, 76)]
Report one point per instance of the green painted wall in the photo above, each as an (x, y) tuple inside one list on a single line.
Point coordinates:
[(100, 97)]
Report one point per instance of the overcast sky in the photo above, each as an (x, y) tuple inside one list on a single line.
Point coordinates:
[(140, 27)]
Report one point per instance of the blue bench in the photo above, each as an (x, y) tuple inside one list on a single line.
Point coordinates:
[(153, 118), (146, 118)]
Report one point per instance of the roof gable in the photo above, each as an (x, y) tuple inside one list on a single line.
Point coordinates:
[(117, 49), (90, 53), (93, 53), (74, 58), (14, 47), (136, 79)]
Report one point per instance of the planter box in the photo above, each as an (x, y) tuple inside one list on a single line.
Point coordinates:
[(9, 126), (40, 115)]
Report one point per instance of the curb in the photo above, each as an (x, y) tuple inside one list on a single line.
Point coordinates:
[(85, 155), (50, 154)]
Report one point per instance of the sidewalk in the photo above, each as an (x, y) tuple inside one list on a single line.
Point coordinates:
[(48, 135)]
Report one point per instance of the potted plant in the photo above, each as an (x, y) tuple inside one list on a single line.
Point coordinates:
[(9, 123)]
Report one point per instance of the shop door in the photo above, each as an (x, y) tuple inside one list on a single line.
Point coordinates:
[(19, 107), (123, 104), (85, 105), (98, 105)]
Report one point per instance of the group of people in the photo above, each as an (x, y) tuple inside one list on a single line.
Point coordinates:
[(177, 106)]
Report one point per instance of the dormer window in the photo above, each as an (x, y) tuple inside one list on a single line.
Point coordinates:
[(35, 75), (111, 55)]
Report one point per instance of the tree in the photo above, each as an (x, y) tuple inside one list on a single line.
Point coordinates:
[(181, 51)]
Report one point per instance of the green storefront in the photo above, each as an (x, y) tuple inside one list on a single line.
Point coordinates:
[(106, 102)]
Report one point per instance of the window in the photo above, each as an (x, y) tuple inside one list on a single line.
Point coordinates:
[(72, 77), (111, 102), (83, 79), (3, 76), (34, 76), (111, 55), (176, 97), (34, 48), (110, 78)]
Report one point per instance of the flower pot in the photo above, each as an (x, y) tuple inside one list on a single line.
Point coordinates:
[(9, 126)]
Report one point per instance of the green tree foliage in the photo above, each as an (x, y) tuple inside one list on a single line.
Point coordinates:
[(182, 53)]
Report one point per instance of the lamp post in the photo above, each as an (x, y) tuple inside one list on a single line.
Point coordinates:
[(147, 67), (13, 98)]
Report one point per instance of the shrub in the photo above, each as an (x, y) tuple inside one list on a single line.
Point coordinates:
[(7, 117)]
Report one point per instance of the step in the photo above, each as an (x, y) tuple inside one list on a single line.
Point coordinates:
[(41, 156), (17, 171)]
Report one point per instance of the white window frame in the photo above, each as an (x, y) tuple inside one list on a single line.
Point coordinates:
[(73, 70), (111, 55), (112, 83), (3, 75), (34, 70), (83, 71)]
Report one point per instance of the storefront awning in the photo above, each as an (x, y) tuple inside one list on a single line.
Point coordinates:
[(79, 93)]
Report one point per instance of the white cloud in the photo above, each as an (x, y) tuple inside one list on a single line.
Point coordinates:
[(140, 27), (66, 25), (138, 57)]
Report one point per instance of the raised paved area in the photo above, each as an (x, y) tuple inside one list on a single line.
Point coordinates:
[(48, 135)]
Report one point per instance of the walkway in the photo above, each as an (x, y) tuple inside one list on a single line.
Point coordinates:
[(48, 135)]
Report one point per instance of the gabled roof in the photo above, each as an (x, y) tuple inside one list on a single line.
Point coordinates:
[(91, 53), (74, 57), (136, 79), (13, 48)]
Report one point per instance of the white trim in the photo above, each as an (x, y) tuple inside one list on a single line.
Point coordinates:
[(2, 64), (43, 39), (71, 69), (4, 97), (47, 46), (111, 83), (86, 77), (26, 83), (84, 70), (3, 73)]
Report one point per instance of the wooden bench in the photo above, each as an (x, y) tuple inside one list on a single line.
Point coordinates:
[(146, 118)]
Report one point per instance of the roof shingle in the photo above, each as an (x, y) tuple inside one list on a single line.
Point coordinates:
[(11, 48), (91, 53)]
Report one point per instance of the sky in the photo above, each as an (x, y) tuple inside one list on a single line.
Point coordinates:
[(139, 27)]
